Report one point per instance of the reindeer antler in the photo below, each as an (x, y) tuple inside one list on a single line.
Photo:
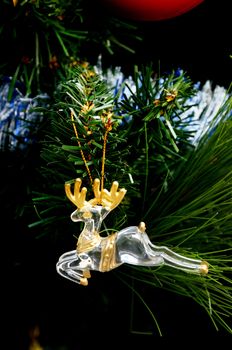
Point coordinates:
[(108, 199), (78, 196)]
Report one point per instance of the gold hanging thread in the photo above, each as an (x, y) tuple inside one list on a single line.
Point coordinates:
[(79, 144), (108, 126)]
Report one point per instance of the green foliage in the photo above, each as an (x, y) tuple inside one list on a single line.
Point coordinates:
[(86, 99), (182, 192), (156, 134), (45, 36), (140, 154), (195, 214)]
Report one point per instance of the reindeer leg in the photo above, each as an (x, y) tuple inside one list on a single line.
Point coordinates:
[(69, 266), (171, 258), (179, 261)]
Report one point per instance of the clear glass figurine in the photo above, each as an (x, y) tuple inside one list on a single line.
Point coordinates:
[(130, 245)]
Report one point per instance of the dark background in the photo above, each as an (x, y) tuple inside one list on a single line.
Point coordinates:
[(74, 316), (198, 41)]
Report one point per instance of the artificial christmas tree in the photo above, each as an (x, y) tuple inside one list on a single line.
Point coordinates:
[(75, 109)]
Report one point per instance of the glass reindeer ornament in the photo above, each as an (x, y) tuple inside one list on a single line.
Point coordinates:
[(130, 245)]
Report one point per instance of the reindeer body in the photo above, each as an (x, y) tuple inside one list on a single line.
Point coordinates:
[(130, 245)]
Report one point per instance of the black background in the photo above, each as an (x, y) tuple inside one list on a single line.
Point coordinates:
[(67, 314), (198, 41)]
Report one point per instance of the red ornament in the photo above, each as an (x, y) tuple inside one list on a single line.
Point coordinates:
[(151, 10)]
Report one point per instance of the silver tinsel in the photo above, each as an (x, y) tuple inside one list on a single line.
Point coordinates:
[(202, 107), (19, 122)]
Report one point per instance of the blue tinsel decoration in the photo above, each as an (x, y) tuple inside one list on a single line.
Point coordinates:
[(19, 122)]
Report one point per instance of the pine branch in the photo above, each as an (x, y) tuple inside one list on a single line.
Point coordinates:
[(47, 36), (194, 216), (182, 192)]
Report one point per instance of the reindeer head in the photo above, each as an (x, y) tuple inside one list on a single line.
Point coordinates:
[(103, 202)]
